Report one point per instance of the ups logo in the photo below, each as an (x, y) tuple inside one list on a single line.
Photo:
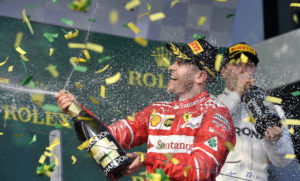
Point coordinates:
[(168, 122)]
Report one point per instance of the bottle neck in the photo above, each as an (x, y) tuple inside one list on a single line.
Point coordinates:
[(74, 109)]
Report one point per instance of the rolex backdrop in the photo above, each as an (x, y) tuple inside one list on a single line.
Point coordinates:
[(114, 77)]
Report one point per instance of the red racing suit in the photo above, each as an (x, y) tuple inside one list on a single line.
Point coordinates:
[(195, 130)]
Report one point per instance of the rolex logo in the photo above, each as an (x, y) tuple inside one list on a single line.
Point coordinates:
[(162, 57)]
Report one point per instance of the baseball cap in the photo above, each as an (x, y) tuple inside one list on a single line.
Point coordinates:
[(198, 52), (235, 52)]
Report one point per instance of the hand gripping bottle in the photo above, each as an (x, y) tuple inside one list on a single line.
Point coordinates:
[(103, 147), (265, 116)]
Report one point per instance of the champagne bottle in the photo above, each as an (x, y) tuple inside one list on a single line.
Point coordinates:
[(265, 116), (109, 155)]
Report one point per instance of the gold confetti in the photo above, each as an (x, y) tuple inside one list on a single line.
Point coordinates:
[(2, 63), (132, 4), (202, 20), (102, 91), (131, 117), (295, 18), (218, 62), (94, 47), (53, 71), (290, 156), (274, 99), (94, 100), (173, 3), (1, 133), (113, 17), (148, 6), (24, 58), (46, 153), (221, 0), (144, 14), (244, 58), (141, 41), (291, 122), (85, 144), (79, 60), (26, 20), (76, 45), (101, 70), (229, 146), (65, 124), (73, 159), (51, 51), (19, 37), (134, 28), (10, 68), (295, 5), (86, 54), (175, 161), (186, 171), (78, 85), (250, 119), (4, 81), (70, 35), (113, 79), (56, 160), (22, 52), (42, 159), (157, 16), (53, 144), (291, 130)]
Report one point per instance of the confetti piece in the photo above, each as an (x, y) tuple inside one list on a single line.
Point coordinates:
[(19, 37), (25, 81), (86, 54), (101, 70), (131, 117), (52, 70), (76, 45), (51, 51), (82, 5), (94, 100), (290, 156), (4, 81), (92, 20), (102, 91), (132, 26), (296, 93), (94, 47), (53, 145), (104, 59), (1, 133), (55, 159), (51, 107), (2, 63), (85, 118), (113, 17), (80, 68), (73, 159), (78, 85), (70, 34), (186, 171), (197, 36), (31, 84), (229, 146), (10, 68), (84, 145), (295, 18), (24, 58), (148, 6), (113, 79), (291, 122), (291, 130), (175, 161), (295, 5), (144, 14), (143, 42), (65, 124), (202, 20), (157, 16), (274, 99), (79, 60), (26, 20), (169, 156), (132, 4), (173, 3), (67, 21), (22, 52), (244, 58), (218, 62), (250, 119), (50, 36), (42, 159), (229, 15), (46, 153), (142, 156), (221, 0)]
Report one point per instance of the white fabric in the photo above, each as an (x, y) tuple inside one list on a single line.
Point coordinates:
[(252, 153)]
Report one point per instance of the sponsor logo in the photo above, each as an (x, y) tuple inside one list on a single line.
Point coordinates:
[(171, 143), (241, 47), (114, 164), (187, 117), (223, 120), (196, 47), (220, 125), (96, 139), (155, 119), (169, 121), (212, 130), (193, 122), (212, 143), (248, 132)]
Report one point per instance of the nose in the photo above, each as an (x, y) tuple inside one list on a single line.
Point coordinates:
[(243, 67)]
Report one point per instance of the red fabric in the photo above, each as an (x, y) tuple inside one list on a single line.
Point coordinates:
[(195, 130)]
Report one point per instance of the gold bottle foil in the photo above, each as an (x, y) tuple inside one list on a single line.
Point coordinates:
[(74, 109)]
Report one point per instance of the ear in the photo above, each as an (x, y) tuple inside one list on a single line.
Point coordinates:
[(200, 77)]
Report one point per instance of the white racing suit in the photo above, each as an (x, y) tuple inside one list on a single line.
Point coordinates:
[(252, 153)]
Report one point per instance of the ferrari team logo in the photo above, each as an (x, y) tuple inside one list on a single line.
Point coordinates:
[(156, 119), (187, 117)]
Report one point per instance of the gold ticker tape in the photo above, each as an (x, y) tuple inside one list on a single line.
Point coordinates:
[(132, 4), (274, 99), (102, 91), (175, 161), (113, 79), (22, 52), (2, 63), (141, 41), (157, 16), (113, 17), (134, 28), (101, 70), (73, 159), (290, 156), (18, 39)]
